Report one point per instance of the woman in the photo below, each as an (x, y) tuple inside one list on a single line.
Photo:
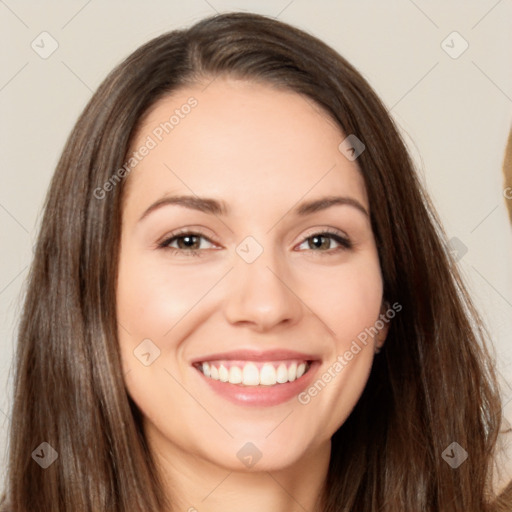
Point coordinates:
[(183, 348)]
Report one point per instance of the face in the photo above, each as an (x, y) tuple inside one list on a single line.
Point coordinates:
[(245, 308)]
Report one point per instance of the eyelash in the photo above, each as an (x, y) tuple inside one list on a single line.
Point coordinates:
[(345, 243)]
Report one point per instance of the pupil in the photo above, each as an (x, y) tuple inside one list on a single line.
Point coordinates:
[(316, 239), (188, 240)]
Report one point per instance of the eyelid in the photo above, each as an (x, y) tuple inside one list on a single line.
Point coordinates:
[(324, 230), (186, 231)]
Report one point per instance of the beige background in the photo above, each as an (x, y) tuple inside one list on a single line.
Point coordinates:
[(454, 112)]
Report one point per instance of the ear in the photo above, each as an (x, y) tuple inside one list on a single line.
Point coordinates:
[(383, 325)]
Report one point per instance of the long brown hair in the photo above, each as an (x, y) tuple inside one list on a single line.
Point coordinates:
[(432, 385)]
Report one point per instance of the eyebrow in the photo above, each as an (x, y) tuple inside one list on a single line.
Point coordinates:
[(220, 208)]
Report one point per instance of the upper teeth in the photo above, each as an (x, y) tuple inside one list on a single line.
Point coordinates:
[(249, 374)]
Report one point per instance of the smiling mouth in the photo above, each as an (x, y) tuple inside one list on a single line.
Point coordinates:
[(254, 373)]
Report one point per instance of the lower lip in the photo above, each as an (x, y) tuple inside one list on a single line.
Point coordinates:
[(263, 396)]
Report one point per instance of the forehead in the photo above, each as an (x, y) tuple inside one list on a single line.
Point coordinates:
[(238, 140)]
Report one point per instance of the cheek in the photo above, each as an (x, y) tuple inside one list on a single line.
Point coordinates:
[(348, 301), (152, 298), (153, 301), (347, 298), (358, 304)]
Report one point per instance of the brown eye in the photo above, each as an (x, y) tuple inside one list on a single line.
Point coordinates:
[(321, 242), (187, 243)]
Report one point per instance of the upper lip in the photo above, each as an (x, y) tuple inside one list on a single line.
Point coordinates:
[(257, 355)]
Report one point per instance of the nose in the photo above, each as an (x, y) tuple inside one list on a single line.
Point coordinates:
[(261, 294)]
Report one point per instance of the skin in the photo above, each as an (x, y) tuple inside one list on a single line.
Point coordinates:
[(262, 151)]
